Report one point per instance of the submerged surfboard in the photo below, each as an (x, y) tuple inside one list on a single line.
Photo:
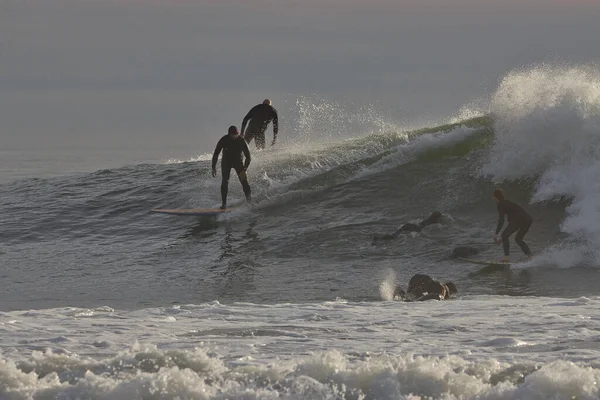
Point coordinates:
[(485, 262), (194, 211)]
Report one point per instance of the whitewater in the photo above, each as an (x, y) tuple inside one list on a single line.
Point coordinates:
[(290, 298)]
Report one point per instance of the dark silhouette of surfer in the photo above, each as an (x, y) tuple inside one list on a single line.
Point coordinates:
[(260, 116), (518, 221), (434, 218), (234, 148), (423, 287)]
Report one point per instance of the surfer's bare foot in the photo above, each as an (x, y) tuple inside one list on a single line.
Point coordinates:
[(505, 259), (223, 206)]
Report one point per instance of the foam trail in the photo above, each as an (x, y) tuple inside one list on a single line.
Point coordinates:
[(548, 129)]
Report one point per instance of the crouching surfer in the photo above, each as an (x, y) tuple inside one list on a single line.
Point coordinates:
[(519, 221)]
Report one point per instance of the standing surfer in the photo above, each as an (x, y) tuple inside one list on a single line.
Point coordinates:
[(518, 221), (260, 116), (233, 146)]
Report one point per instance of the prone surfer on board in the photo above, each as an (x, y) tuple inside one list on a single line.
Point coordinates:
[(233, 146), (260, 116), (434, 218), (423, 287), (518, 221)]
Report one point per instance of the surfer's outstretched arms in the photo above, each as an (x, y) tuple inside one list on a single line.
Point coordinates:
[(260, 116), (434, 218), (233, 146), (518, 221), (423, 287)]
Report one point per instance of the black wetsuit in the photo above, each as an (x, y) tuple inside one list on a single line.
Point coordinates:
[(518, 221), (260, 116), (422, 287), (233, 148), (408, 227)]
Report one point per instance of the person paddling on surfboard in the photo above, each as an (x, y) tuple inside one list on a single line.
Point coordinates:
[(518, 221), (233, 146), (260, 116), (434, 218)]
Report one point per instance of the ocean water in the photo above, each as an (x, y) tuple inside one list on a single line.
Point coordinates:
[(290, 298)]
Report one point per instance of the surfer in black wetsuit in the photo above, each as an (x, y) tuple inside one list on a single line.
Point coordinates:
[(423, 287), (233, 146), (260, 116), (434, 218), (518, 221)]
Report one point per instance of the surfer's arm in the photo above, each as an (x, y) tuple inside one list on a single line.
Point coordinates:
[(275, 124), (392, 235), (500, 220), (246, 154), (247, 118), (396, 233), (216, 153)]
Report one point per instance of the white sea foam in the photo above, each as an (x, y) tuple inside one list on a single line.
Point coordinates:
[(534, 348), (201, 157)]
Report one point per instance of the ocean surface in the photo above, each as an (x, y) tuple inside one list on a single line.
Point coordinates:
[(290, 298)]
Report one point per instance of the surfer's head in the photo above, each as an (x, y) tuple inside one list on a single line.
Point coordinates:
[(267, 102), (451, 288), (498, 194), (233, 131), (435, 217)]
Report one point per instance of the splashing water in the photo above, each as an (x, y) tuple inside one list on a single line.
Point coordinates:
[(387, 285)]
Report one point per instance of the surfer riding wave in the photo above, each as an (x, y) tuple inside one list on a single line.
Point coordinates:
[(233, 147)]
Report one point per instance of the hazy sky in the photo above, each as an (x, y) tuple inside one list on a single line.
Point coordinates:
[(151, 73)]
